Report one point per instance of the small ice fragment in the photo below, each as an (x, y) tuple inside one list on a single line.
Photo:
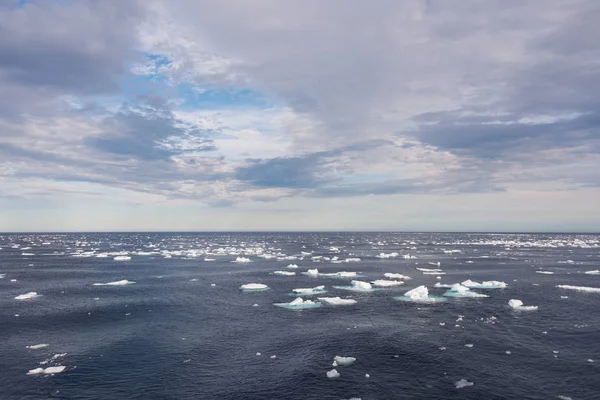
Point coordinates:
[(37, 346), (590, 360), (442, 323), (258, 354), (333, 374), (35, 371), (344, 361), (367, 376), (273, 356), (254, 286), (213, 285), (294, 266), (545, 333), (518, 306), (593, 272), (545, 272), (241, 260), (116, 283), (561, 397), (462, 383), (396, 276), (284, 273), (336, 301), (122, 258), (386, 283), (442, 348), (254, 305), (26, 296), (508, 352), (469, 345), (194, 280), (312, 272)]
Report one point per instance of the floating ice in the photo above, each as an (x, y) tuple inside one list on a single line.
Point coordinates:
[(518, 306), (580, 288), (254, 287), (26, 296), (358, 286), (420, 295), (367, 376), (435, 263), (396, 276), (409, 257), (37, 346), (593, 272), (484, 285), (241, 260), (210, 259), (122, 258), (294, 266), (545, 272), (333, 374), (442, 285), (567, 262), (343, 361), (50, 370), (458, 290), (462, 383), (312, 272), (435, 270), (385, 283), (336, 301), (117, 283), (299, 304), (388, 255), (2, 276), (561, 397), (213, 285), (309, 291), (284, 273)]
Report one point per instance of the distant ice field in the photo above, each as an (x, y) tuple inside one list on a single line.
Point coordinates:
[(271, 315)]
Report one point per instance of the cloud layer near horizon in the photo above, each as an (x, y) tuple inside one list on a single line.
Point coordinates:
[(254, 115)]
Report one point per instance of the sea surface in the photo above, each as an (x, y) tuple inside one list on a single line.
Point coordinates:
[(180, 327)]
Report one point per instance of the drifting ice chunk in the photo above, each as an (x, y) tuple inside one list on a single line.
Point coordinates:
[(294, 266), (309, 291), (409, 257), (26, 296), (312, 272), (333, 374), (37, 346), (385, 283), (462, 383), (484, 285), (299, 304), (254, 287), (435, 270), (358, 286), (396, 276), (442, 285), (122, 258), (420, 295), (593, 272), (518, 305), (459, 290), (389, 255), (117, 283), (545, 272), (343, 361), (580, 288), (336, 301), (284, 273), (50, 370), (241, 260)]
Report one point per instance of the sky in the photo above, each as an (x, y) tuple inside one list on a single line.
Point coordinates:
[(311, 115)]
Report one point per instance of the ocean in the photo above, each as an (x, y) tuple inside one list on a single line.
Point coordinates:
[(167, 319)]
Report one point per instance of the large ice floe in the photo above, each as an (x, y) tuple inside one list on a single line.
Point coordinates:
[(484, 285), (116, 283), (358, 286), (308, 291), (420, 295), (386, 283), (580, 288), (396, 276), (336, 301), (458, 290), (284, 273), (517, 305), (254, 287), (343, 361), (27, 296), (299, 304)]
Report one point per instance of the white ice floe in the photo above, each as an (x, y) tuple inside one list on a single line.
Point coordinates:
[(358, 286), (312, 272), (518, 306), (116, 283), (210, 259), (396, 276), (462, 384), (48, 371), (254, 287), (458, 290), (241, 260), (434, 273), (567, 262), (284, 273), (409, 257), (420, 295), (333, 374), (299, 304), (580, 288), (37, 346), (2, 276), (387, 255), (442, 285), (343, 361), (593, 272), (309, 291), (386, 283), (122, 258), (27, 296), (292, 266), (435, 270), (337, 301), (545, 272), (484, 285)]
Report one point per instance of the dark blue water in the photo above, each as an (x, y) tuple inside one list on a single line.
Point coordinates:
[(171, 335)]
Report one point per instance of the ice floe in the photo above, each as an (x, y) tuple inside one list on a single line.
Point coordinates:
[(420, 295), (396, 276), (458, 290), (292, 266), (312, 272), (37, 346), (309, 291), (26, 296), (47, 371), (462, 384), (545, 272), (358, 286), (434, 270), (386, 283), (284, 273), (241, 260), (333, 374), (484, 285), (122, 258), (337, 301), (343, 361), (116, 283), (593, 272), (580, 288), (299, 304), (518, 306), (254, 287), (387, 255)]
